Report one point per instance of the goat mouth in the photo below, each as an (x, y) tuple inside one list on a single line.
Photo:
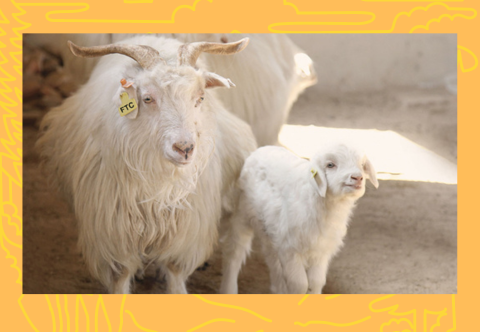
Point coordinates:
[(354, 186), (178, 163), (182, 163)]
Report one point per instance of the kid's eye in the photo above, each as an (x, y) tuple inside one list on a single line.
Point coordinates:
[(330, 165), (148, 99)]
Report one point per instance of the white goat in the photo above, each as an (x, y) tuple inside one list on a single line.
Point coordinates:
[(148, 187), (271, 72), (299, 209)]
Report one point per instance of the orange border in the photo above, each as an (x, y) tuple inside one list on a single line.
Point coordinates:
[(221, 312)]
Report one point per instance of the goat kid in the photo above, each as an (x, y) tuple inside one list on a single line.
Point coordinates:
[(299, 209)]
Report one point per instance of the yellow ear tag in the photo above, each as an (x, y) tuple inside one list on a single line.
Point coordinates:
[(127, 105), (314, 172)]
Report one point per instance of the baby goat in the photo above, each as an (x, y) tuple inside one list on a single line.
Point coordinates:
[(300, 211)]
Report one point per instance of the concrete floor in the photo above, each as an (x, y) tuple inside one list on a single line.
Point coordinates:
[(402, 238)]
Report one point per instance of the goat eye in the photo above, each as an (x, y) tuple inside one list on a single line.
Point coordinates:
[(148, 99), (199, 101), (330, 165)]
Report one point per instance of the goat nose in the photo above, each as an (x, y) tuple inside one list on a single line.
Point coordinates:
[(357, 177), (184, 148)]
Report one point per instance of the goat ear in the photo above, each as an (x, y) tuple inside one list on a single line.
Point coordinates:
[(129, 88), (213, 80), (319, 180), (372, 174)]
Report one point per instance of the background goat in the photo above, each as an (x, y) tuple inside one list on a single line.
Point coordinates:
[(272, 72)]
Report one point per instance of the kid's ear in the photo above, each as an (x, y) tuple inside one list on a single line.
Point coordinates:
[(127, 87), (372, 174), (213, 80), (319, 180)]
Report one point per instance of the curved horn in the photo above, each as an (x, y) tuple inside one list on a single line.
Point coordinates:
[(189, 53), (146, 56)]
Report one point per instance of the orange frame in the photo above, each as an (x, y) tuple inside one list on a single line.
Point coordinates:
[(402, 313)]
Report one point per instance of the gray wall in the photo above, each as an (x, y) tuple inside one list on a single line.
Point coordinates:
[(362, 62)]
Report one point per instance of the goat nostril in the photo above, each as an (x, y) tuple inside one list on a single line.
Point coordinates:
[(357, 178), (177, 149), (184, 148), (187, 151)]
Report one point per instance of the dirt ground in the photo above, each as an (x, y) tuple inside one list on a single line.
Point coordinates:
[(402, 238)]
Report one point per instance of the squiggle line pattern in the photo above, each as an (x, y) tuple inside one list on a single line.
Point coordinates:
[(85, 7), (10, 165), (334, 324), (392, 28), (233, 307), (460, 59)]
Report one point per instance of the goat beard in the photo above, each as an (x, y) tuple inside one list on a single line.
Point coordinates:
[(161, 189), (172, 184)]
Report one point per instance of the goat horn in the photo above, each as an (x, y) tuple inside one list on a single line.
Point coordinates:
[(189, 53), (146, 56)]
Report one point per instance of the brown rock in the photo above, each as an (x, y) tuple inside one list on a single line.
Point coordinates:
[(32, 118), (51, 97), (50, 64), (30, 106), (57, 78), (32, 85), (33, 62), (68, 88)]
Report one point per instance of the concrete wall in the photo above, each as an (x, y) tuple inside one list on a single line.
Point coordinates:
[(361, 62)]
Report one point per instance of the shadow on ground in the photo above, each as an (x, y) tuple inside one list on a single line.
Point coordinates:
[(402, 238)]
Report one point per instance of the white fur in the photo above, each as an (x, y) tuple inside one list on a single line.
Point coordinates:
[(301, 219), (135, 203), (268, 78)]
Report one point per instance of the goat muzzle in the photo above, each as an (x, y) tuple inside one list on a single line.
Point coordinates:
[(184, 148)]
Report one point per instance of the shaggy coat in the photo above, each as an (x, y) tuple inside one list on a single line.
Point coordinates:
[(299, 209), (269, 73), (134, 206)]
